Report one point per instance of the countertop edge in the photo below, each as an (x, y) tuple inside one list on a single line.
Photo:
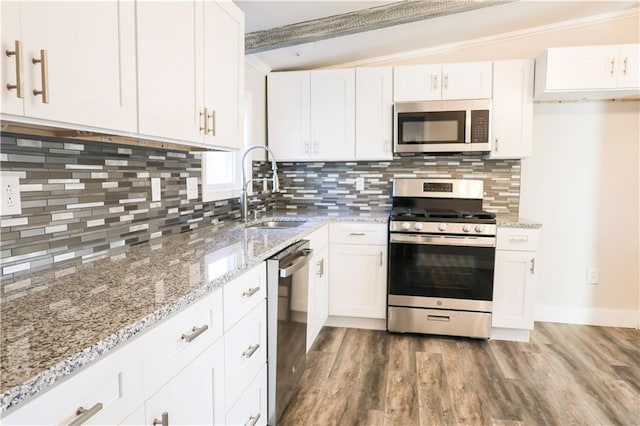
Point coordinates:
[(48, 378)]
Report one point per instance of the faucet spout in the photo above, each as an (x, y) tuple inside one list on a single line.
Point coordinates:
[(275, 184)]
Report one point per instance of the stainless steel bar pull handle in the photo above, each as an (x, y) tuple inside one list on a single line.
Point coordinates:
[(252, 420), (195, 332), (533, 265), (44, 76), (613, 61), (357, 234), (250, 351), (446, 81), (212, 129), (251, 291), (19, 86), (164, 420), (381, 259), (445, 318), (205, 116), (84, 414), (624, 69), (320, 268)]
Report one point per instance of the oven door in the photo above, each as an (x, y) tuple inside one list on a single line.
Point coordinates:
[(444, 272)]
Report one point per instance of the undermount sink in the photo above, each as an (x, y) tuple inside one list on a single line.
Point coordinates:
[(276, 224)]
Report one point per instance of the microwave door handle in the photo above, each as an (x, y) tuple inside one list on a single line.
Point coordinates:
[(467, 127)]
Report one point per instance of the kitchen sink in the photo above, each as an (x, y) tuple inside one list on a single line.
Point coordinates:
[(276, 224)]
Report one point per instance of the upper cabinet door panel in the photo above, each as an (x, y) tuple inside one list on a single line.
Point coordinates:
[(590, 67), (289, 114), (417, 83), (11, 103), (224, 72), (469, 80), (89, 66), (333, 114), (374, 113), (169, 86)]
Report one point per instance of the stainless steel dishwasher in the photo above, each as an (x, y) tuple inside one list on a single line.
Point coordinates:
[(287, 292)]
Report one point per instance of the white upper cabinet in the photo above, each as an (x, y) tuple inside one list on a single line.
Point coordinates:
[(467, 80), (606, 71), (374, 113), (512, 109), (190, 77), (312, 115), (84, 70)]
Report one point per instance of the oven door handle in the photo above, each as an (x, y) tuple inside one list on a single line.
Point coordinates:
[(442, 240)]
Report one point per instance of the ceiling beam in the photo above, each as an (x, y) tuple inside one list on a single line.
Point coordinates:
[(374, 18)]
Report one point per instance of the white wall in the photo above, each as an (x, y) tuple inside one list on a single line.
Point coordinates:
[(582, 183)]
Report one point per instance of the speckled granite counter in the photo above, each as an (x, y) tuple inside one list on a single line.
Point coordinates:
[(53, 323), (520, 223)]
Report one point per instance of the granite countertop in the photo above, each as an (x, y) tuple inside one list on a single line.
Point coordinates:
[(57, 321)]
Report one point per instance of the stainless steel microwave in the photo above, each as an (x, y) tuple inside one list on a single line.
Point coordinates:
[(451, 126)]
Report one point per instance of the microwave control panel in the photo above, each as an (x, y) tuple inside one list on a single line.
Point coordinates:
[(480, 126)]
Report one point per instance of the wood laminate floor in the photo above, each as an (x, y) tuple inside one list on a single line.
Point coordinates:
[(567, 374)]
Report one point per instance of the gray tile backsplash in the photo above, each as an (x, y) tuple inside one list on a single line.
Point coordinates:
[(82, 200)]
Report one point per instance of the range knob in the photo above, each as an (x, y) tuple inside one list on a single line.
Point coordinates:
[(442, 227), (466, 228), (417, 226), (406, 226), (479, 228)]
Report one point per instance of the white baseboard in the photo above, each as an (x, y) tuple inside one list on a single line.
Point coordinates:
[(627, 318), (351, 322)]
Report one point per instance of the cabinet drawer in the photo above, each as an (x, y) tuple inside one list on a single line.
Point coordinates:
[(251, 406), (517, 239), (245, 351), (243, 294), (358, 233), (112, 388), (319, 238), (176, 342)]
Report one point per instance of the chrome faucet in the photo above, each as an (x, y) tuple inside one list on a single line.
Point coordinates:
[(275, 184)]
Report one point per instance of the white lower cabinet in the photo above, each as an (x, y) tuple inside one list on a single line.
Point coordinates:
[(194, 396), (251, 406), (107, 392), (358, 276), (514, 280), (318, 292)]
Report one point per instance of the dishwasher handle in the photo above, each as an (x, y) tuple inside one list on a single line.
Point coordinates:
[(297, 264)]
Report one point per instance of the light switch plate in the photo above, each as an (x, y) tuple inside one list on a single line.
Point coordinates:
[(10, 203), (192, 188), (155, 189)]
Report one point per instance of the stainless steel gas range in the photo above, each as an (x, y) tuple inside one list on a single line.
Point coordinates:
[(441, 258)]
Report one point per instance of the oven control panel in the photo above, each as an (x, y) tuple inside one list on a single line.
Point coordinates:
[(437, 187), (443, 228)]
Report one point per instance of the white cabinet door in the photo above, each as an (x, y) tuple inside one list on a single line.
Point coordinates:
[(333, 114), (223, 73), (514, 289), (374, 113), (512, 109), (169, 70), (468, 80), (587, 67), (251, 406), (288, 104), (629, 66), (358, 280), (318, 294), (417, 83), (11, 64), (88, 67), (196, 395)]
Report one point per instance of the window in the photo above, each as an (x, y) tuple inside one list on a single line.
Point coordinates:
[(221, 171)]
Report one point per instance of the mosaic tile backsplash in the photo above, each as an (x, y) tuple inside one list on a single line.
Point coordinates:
[(332, 185), (80, 200)]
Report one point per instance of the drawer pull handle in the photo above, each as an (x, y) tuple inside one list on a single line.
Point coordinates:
[(533, 266), (164, 421), (253, 420), (250, 292), (84, 414), (518, 239), (195, 332), (250, 351), (445, 318), (357, 234)]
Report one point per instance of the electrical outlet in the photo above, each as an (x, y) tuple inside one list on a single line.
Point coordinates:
[(192, 188), (359, 184), (593, 275), (10, 203), (155, 189)]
